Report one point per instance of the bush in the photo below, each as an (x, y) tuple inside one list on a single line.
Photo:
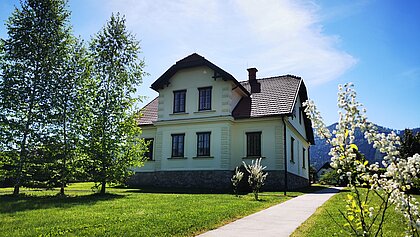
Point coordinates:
[(256, 176)]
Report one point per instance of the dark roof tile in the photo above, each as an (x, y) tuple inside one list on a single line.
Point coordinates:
[(277, 97)]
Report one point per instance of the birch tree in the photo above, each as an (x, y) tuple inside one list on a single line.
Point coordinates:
[(113, 142), (38, 34)]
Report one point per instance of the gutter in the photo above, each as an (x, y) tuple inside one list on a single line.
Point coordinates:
[(285, 156)]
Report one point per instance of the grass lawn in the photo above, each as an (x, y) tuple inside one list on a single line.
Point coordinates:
[(321, 224), (123, 212)]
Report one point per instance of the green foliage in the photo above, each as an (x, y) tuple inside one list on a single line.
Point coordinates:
[(410, 145), (113, 143), (327, 221), (32, 64), (65, 112), (331, 177)]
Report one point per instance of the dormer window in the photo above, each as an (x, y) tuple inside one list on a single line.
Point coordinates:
[(179, 101), (204, 100)]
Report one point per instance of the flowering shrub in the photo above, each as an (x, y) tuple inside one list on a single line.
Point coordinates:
[(236, 179), (256, 176), (390, 186)]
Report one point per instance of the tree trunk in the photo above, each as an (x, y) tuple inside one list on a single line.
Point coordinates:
[(64, 167), (103, 187), (62, 189), (16, 189)]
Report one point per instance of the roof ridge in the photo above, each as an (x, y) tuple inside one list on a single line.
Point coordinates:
[(275, 77)]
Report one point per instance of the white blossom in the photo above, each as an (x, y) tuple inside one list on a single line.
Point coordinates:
[(399, 174)]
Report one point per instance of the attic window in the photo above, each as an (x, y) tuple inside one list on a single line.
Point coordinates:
[(179, 101), (204, 100)]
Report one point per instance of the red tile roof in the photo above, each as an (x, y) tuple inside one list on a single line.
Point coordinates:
[(149, 113)]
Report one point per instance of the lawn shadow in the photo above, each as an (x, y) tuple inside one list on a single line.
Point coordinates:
[(11, 204), (173, 190)]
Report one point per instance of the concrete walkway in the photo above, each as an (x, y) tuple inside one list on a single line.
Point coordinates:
[(280, 220)]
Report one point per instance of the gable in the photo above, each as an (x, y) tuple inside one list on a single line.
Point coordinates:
[(191, 61)]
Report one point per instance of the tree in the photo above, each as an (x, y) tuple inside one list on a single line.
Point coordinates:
[(389, 186), (69, 110), (410, 144), (33, 57), (113, 134)]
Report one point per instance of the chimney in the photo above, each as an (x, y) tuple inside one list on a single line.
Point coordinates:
[(252, 78)]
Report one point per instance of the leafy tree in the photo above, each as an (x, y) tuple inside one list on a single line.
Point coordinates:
[(113, 135), (38, 35), (69, 107), (410, 144)]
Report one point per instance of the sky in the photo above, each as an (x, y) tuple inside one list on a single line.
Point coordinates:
[(373, 43)]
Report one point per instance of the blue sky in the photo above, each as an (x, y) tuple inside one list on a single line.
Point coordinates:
[(374, 44)]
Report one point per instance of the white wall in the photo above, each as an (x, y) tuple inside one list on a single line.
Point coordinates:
[(296, 167), (299, 125), (271, 142), (228, 136), (190, 80)]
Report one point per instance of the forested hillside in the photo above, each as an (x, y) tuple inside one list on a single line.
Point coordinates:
[(319, 151)]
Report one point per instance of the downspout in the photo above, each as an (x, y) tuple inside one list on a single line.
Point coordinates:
[(285, 156)]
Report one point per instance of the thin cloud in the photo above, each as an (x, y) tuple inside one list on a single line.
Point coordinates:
[(278, 37)]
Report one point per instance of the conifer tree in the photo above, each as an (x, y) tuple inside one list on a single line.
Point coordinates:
[(113, 142)]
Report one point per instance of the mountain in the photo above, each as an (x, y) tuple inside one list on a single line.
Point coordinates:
[(319, 151)]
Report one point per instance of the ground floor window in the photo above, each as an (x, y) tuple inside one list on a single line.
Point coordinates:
[(149, 153), (303, 158), (292, 149), (203, 144), (253, 144), (178, 145)]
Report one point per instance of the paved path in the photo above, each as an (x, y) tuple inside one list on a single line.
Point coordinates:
[(279, 220)]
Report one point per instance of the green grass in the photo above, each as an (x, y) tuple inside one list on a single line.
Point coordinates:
[(123, 212), (321, 223)]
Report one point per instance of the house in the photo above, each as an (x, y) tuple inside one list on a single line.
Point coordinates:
[(204, 123)]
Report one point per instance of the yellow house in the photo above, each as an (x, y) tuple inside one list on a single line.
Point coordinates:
[(204, 123)]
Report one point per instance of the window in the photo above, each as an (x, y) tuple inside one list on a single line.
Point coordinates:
[(149, 153), (178, 145), (253, 144), (204, 100), (179, 101), (303, 158), (203, 144), (292, 149)]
